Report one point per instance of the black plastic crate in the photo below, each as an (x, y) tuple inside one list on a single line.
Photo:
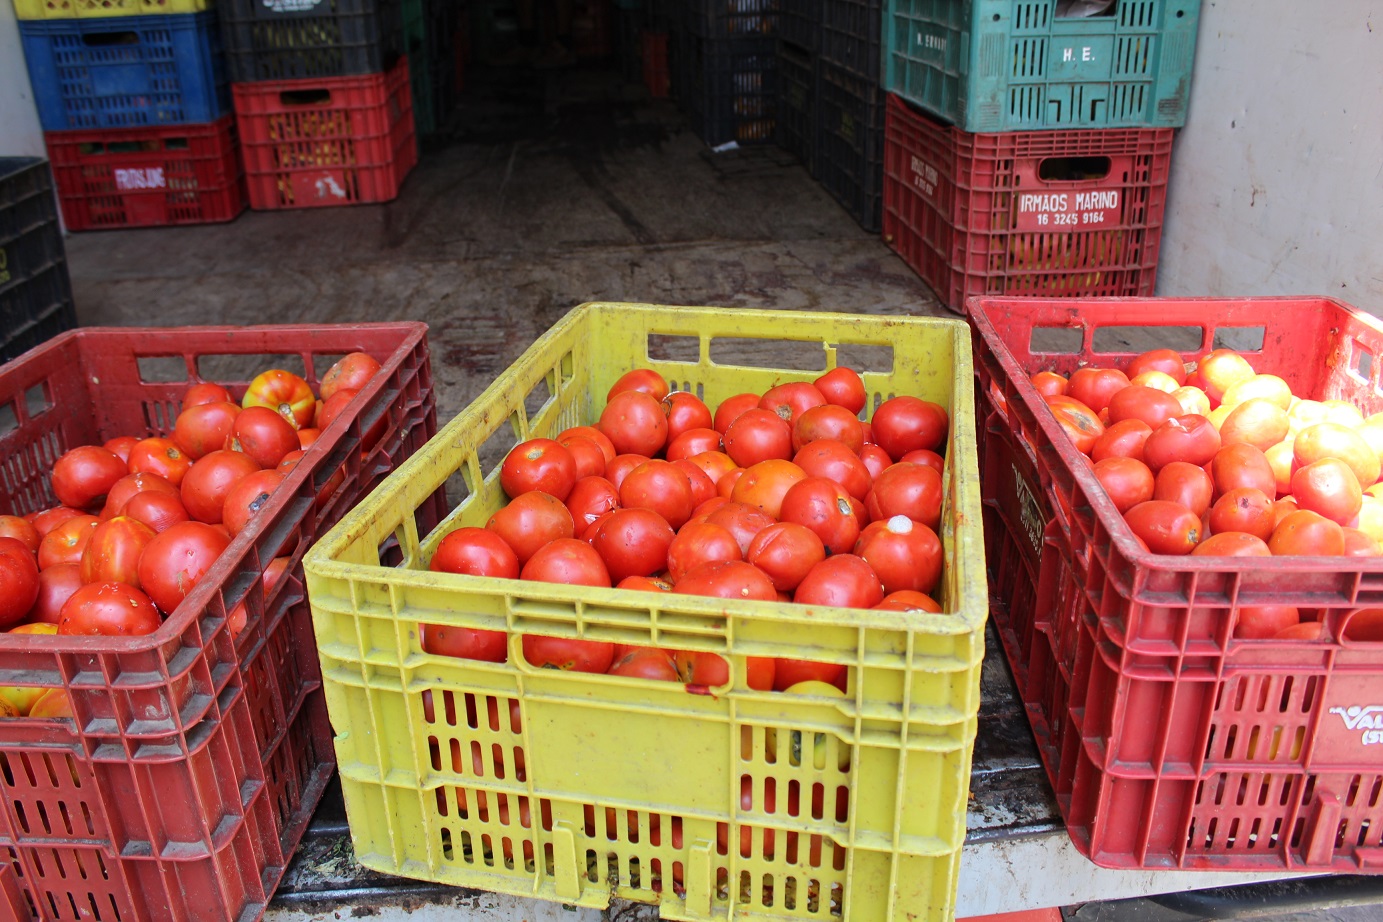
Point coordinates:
[(629, 26), (35, 292), (799, 23), (742, 19), (729, 88), (850, 35), (290, 40), (796, 121), (850, 152)]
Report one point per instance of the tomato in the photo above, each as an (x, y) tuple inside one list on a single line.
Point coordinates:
[(569, 561), (1152, 406), (1049, 384), (111, 609), (1095, 386), (595, 435), (927, 458), (240, 616), (644, 380), (248, 497), (475, 552), (644, 584), (742, 521), (1328, 440), (1187, 484), (1242, 465), (698, 543), (842, 580), (909, 601), (913, 490), (55, 585), (645, 663), (120, 446), (635, 423), (1222, 369), (1307, 533), (263, 435), (903, 424), (1268, 387), (204, 428), (685, 411), (283, 392), (1260, 423), (176, 559), (875, 460), (786, 552), (1243, 509), (83, 476), (567, 653), (205, 392), (834, 461), (162, 457), (1167, 361), (1127, 481), (730, 410), (1264, 622), (1329, 487), (1158, 381), (1166, 527), (1232, 544), (1080, 423), (702, 487), (1364, 625), (825, 508), (693, 442), (661, 487), (129, 486), (712, 671), (764, 485), (531, 520), (19, 581), (828, 422), (726, 484), (209, 481), (589, 499), (1192, 400), (727, 579), (758, 435), (1283, 507), (538, 464), (842, 387), (1182, 438), (619, 468), (1361, 544), (633, 542), (589, 458), (112, 553), (65, 543), (352, 371), (714, 464), (791, 672), (12, 526), (53, 704), (155, 509), (789, 401), (48, 519), (904, 554)]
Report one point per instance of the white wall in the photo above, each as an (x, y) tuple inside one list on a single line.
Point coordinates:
[(1277, 178), (20, 135)]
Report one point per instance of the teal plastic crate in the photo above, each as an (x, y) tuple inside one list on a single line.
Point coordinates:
[(1013, 65)]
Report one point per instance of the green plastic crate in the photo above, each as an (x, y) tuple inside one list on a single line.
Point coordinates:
[(1015, 65)]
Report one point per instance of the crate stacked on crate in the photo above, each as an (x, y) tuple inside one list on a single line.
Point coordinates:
[(1027, 142), (135, 107), (798, 76), (35, 292), (725, 68), (323, 94)]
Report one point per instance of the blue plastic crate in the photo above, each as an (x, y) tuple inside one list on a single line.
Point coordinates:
[(126, 71), (1024, 65)]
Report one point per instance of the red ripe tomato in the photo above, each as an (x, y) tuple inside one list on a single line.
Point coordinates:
[(205, 392), (569, 561), (635, 423), (1242, 465), (662, 487), (595, 435), (1095, 386), (906, 489), (1124, 439), (786, 552), (765, 484), (1186, 484), (904, 424), (204, 428), (730, 410), (1165, 527), (903, 554), (129, 486), (240, 615), (1232, 544), (327, 410), (156, 509), (644, 584), (709, 506), (176, 559), (758, 435), (19, 581), (927, 458), (567, 653), (727, 579), (842, 387), (645, 663), (162, 457), (1049, 384), (120, 446), (209, 481), (633, 542), (1167, 361), (685, 411), (110, 609), (283, 392), (589, 457), (909, 601), (1328, 486), (824, 507), (475, 552), (702, 486), (742, 521), (693, 442), (1137, 401), (589, 499), (726, 484), (619, 468), (248, 497), (834, 461), (12, 526), (1360, 544), (1081, 424), (55, 586), (1265, 622), (790, 672), (351, 372), (1243, 509), (828, 422), (844, 581), (875, 459), (789, 401), (1127, 481), (112, 553), (83, 476), (67, 540), (698, 543), (1364, 625), (531, 520), (645, 380), (48, 519), (1188, 438), (263, 435), (538, 464)]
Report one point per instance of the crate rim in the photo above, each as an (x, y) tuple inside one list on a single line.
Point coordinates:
[(194, 605), (966, 618)]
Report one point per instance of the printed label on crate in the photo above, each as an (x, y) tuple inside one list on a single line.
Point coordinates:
[(1029, 512), (1087, 58), (925, 177), (1351, 730), (134, 180), (931, 45), (320, 187), (1087, 210), (291, 6)]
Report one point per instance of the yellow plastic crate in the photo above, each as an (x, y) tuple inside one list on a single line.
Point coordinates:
[(81, 9), (608, 786)]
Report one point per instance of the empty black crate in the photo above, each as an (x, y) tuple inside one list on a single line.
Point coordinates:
[(35, 292), (850, 35), (797, 93), (729, 88), (799, 23), (850, 152), (732, 18), (294, 39)]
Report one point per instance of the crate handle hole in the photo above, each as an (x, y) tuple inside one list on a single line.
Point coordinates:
[(1074, 169), (106, 39), (1363, 362), (320, 97), (1241, 339), (1084, 9)]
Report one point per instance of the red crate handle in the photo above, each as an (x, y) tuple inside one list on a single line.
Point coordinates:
[(314, 96)]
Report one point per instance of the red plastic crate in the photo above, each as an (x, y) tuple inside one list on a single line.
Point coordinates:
[(196, 759), (148, 177), (656, 75), (1169, 742), (1054, 213), (326, 141)]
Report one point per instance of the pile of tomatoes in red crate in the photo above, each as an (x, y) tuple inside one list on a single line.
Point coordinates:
[(782, 496), (141, 520)]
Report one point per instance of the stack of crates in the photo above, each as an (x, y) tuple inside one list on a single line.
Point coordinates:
[(135, 107), (1028, 142), (725, 68), (323, 98), (35, 293)]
